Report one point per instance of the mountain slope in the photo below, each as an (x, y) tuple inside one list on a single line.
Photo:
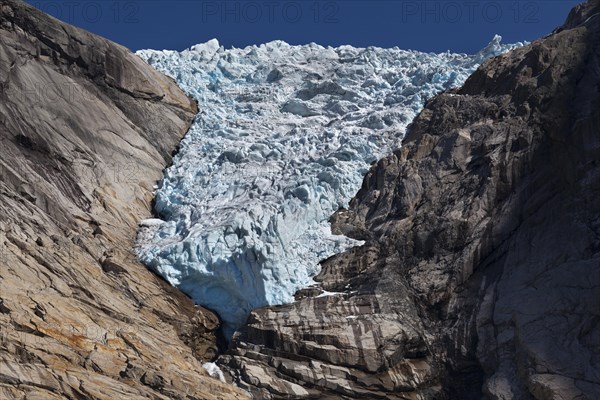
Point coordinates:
[(85, 129), (480, 276)]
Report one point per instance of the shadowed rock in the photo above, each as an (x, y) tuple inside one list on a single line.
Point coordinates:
[(480, 276)]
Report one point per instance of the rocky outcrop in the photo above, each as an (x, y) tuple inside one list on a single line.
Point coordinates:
[(85, 129), (480, 276)]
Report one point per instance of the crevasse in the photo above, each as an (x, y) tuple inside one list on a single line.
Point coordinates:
[(283, 139)]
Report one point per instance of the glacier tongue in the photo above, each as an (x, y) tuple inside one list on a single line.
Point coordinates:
[(283, 139)]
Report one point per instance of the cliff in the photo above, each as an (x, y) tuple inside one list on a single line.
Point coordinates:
[(86, 128), (480, 274)]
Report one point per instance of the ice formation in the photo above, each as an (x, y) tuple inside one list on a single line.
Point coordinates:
[(283, 139), (214, 371)]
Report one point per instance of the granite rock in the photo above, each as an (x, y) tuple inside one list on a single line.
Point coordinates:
[(86, 128)]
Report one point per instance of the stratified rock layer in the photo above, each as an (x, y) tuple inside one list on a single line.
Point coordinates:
[(85, 130), (480, 276)]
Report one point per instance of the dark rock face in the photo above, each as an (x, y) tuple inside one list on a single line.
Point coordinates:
[(85, 129), (480, 276)]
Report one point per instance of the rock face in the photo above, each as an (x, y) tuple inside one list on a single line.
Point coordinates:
[(85, 129), (480, 276)]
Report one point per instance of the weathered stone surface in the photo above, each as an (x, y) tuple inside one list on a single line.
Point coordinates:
[(85, 129), (480, 276)]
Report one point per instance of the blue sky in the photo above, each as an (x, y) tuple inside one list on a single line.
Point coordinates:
[(434, 26)]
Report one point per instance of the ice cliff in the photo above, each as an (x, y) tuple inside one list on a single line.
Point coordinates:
[(284, 137)]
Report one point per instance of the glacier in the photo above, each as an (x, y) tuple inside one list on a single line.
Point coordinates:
[(282, 140)]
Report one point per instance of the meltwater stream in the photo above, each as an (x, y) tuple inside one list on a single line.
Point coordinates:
[(283, 139)]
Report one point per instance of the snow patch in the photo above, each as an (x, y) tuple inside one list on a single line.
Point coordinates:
[(151, 222), (214, 371), (327, 294)]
